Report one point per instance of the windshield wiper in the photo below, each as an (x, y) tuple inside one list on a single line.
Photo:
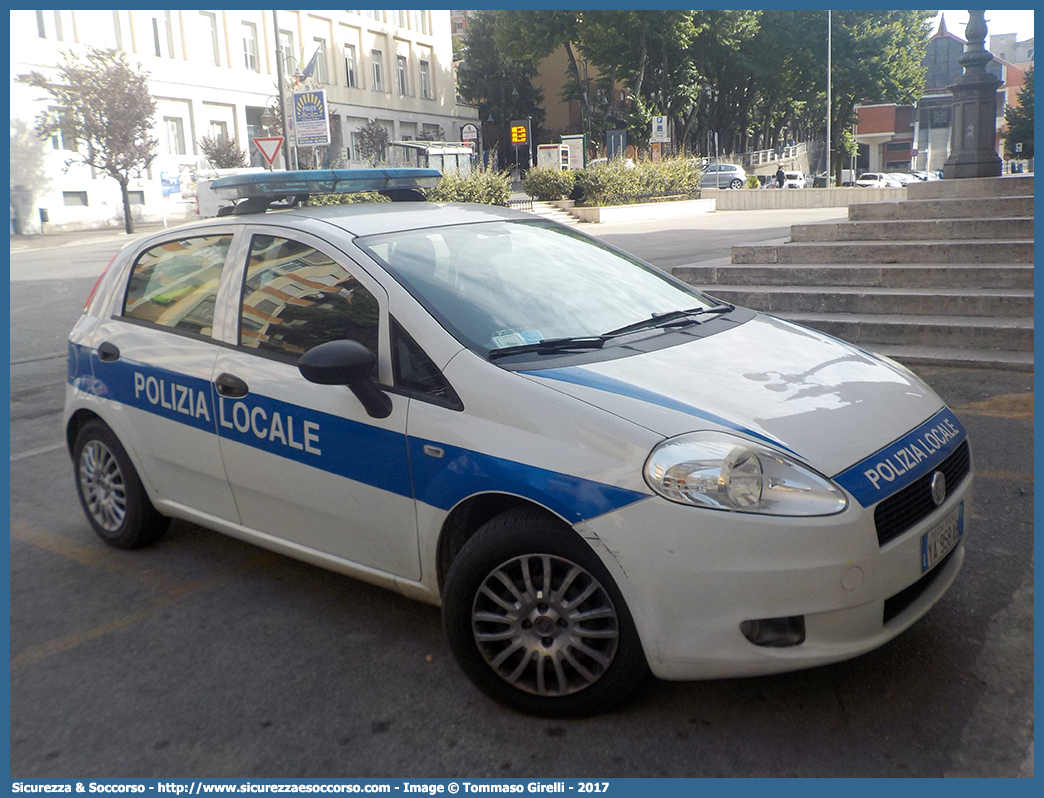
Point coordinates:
[(550, 346), (673, 318)]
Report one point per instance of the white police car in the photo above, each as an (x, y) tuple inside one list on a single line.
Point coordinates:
[(595, 469)]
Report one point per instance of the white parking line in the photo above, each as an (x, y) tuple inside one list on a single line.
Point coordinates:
[(33, 452)]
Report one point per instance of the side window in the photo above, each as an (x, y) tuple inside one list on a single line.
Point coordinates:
[(415, 372), (296, 298), (174, 284)]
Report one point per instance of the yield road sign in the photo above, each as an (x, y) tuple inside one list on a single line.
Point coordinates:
[(269, 146)]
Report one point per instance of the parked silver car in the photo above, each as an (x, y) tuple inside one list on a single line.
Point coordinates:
[(723, 175)]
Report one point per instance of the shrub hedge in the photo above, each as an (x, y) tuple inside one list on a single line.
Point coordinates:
[(547, 185), (483, 186), (613, 183), (346, 199)]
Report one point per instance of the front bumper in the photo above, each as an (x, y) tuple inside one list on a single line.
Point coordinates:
[(692, 576)]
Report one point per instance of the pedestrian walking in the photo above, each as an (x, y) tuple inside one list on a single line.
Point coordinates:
[(780, 178)]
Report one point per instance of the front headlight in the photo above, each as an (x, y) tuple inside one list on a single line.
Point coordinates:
[(725, 472)]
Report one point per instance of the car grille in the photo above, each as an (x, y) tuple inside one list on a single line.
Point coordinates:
[(904, 598), (913, 503)]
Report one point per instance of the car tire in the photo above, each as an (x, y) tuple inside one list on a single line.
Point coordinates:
[(736, 183), (521, 639), (111, 492)]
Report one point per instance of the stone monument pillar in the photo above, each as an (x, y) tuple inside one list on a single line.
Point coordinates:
[(973, 137)]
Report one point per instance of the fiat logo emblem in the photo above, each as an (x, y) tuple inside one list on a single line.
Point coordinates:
[(938, 488)]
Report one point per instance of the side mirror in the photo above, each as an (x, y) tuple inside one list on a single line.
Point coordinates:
[(347, 363)]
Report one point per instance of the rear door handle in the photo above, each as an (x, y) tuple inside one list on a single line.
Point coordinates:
[(231, 386), (107, 352)]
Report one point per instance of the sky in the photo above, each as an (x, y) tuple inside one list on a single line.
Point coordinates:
[(1018, 22)]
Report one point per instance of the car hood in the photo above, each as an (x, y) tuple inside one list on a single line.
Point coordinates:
[(810, 395)]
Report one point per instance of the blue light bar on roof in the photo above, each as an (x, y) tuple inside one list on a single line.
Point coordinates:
[(322, 181)]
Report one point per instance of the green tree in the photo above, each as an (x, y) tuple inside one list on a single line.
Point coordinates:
[(108, 109), (500, 86), (723, 95), (223, 153), (373, 141), (28, 169), (648, 52), (782, 86), (528, 37), (1019, 121), (877, 56)]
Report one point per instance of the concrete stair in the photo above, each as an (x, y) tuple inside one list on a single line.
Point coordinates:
[(944, 277), (553, 212)]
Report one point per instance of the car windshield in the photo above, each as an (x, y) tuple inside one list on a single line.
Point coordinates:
[(497, 285)]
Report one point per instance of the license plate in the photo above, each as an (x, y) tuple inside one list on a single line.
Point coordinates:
[(937, 542)]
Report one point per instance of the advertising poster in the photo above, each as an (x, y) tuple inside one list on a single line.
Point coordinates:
[(311, 118)]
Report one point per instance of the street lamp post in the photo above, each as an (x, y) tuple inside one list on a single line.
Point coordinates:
[(282, 98), (830, 52)]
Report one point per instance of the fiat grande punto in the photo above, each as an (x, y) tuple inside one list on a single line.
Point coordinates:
[(594, 469)]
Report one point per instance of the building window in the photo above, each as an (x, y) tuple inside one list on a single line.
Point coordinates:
[(57, 27), (118, 28), (175, 131), (250, 60), (286, 48), (376, 56), (420, 21), (320, 62), (74, 199), (349, 66), (163, 36), (136, 197), (425, 80), (210, 37), (400, 68), (218, 130), (404, 21), (63, 138)]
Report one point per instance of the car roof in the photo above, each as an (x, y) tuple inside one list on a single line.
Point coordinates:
[(376, 218), (373, 218)]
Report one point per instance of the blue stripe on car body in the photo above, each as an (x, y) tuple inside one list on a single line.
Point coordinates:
[(376, 457), (904, 460), (577, 375)]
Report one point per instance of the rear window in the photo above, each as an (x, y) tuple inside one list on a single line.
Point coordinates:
[(174, 284)]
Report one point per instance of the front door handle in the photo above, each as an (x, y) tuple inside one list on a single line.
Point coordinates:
[(230, 386), (107, 352)]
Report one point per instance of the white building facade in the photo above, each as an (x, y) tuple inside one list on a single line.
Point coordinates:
[(214, 73)]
